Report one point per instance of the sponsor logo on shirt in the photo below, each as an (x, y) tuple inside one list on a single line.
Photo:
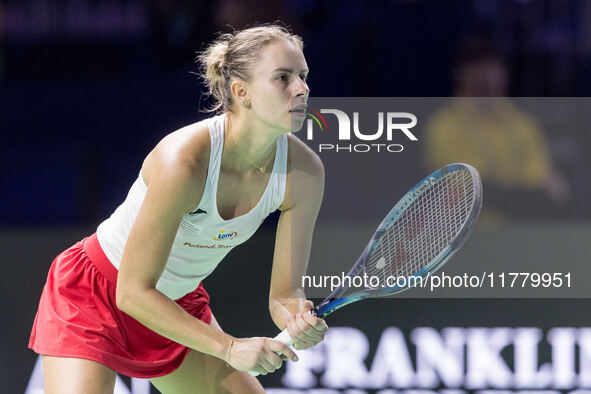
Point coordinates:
[(218, 246), (225, 235)]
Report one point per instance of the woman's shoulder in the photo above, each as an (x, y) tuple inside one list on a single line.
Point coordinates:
[(305, 179), (302, 157), (185, 150)]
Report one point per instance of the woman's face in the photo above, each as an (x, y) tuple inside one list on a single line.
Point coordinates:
[(277, 90)]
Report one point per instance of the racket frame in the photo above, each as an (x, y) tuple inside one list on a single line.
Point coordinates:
[(334, 300)]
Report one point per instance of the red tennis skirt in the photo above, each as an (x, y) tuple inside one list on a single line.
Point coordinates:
[(78, 317)]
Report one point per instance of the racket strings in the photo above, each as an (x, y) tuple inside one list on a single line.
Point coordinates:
[(424, 229)]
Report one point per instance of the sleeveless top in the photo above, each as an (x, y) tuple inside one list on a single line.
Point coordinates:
[(204, 237)]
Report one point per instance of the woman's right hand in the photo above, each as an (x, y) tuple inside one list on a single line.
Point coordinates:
[(260, 355)]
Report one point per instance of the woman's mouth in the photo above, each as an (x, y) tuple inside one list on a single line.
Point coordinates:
[(300, 111)]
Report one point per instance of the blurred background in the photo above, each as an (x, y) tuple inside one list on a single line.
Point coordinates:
[(88, 87)]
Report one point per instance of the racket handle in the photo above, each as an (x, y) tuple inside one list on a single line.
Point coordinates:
[(283, 337)]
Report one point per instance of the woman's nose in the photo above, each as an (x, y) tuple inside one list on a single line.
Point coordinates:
[(303, 89)]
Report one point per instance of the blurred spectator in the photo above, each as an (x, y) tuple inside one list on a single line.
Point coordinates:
[(238, 14), (179, 28), (485, 129)]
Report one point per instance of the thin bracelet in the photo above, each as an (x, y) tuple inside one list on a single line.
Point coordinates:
[(228, 356)]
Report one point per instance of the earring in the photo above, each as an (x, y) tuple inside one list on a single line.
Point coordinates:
[(246, 103)]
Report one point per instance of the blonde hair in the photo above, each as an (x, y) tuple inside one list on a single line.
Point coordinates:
[(231, 55)]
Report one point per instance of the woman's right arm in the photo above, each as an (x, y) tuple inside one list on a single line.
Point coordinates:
[(173, 183)]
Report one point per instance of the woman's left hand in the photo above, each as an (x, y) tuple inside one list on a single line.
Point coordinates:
[(305, 329)]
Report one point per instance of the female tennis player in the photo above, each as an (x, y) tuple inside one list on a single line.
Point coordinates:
[(129, 298)]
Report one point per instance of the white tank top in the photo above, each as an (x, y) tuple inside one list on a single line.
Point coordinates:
[(203, 238)]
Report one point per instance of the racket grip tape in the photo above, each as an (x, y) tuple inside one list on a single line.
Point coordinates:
[(283, 337)]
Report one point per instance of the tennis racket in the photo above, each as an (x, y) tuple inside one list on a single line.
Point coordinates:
[(420, 234)]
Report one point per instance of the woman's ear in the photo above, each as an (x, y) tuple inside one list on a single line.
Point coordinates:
[(239, 93)]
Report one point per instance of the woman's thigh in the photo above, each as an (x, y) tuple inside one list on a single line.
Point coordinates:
[(64, 375), (201, 373)]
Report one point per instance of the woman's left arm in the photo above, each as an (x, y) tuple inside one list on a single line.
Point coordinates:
[(303, 196)]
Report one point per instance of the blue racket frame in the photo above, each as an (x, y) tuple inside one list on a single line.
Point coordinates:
[(334, 302)]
